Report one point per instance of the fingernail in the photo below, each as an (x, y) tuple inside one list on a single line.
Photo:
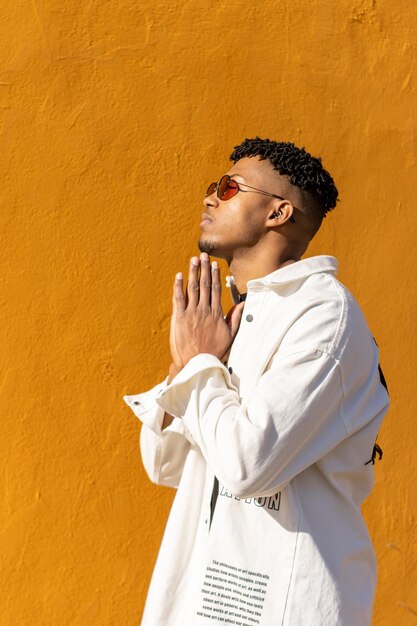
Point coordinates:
[(195, 260), (204, 256), (215, 265), (178, 276)]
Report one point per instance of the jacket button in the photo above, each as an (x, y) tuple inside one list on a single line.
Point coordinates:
[(136, 402), (231, 370), (249, 318)]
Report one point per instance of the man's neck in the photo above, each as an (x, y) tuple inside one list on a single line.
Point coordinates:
[(243, 271)]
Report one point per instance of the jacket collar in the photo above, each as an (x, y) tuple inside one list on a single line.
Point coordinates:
[(289, 273)]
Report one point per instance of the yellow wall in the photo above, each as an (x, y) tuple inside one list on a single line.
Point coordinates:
[(114, 116)]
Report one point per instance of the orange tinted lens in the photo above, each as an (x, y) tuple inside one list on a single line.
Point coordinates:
[(227, 188), (211, 189)]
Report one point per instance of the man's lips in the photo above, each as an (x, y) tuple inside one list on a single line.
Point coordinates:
[(205, 218)]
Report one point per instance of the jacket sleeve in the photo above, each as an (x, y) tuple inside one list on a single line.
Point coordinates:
[(289, 420), (163, 451)]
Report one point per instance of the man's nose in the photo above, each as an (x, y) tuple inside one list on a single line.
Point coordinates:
[(211, 201)]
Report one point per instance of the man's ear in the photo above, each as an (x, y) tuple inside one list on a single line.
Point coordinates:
[(282, 213)]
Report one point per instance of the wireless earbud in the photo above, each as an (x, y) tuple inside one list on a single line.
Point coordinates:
[(276, 215)]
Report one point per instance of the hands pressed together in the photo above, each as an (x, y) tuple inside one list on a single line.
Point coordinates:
[(197, 323)]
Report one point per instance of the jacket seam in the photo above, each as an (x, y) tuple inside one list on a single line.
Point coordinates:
[(342, 313), (339, 369), (290, 583)]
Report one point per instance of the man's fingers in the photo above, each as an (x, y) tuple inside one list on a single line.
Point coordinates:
[(216, 288), (205, 283), (235, 317), (178, 300), (193, 286)]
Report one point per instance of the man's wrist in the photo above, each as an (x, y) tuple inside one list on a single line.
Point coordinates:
[(173, 371)]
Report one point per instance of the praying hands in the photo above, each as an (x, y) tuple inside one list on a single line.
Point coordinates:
[(197, 323)]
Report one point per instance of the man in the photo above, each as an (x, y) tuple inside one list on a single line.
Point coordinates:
[(267, 421)]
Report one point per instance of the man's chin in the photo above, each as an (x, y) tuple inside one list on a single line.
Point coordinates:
[(210, 247)]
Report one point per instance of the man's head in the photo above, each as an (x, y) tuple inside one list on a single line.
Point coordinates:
[(252, 219)]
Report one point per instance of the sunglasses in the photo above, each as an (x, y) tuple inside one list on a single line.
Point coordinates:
[(226, 188)]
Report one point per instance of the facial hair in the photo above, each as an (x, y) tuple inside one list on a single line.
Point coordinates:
[(205, 245)]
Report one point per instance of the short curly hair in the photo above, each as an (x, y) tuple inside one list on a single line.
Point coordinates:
[(305, 171)]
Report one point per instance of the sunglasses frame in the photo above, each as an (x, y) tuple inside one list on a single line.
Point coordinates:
[(218, 184)]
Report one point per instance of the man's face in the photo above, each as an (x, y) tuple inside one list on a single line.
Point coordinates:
[(239, 223)]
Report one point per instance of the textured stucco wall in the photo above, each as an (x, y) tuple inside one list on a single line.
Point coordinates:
[(114, 116)]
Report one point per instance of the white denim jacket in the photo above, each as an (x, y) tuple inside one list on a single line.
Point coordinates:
[(288, 427)]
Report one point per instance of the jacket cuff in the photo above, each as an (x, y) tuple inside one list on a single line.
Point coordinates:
[(145, 408), (174, 398)]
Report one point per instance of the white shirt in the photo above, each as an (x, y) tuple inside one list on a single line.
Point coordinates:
[(287, 428)]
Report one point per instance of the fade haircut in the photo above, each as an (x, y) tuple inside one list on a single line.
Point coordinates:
[(317, 189)]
